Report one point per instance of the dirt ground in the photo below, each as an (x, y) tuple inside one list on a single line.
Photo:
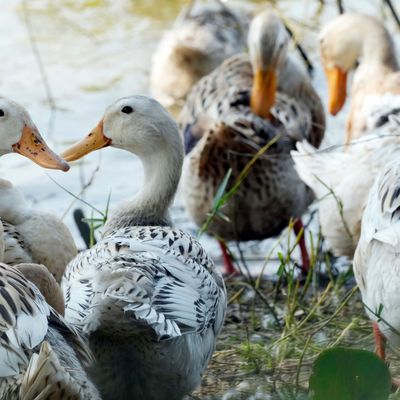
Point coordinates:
[(258, 357)]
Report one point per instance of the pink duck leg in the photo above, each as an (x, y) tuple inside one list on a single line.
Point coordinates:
[(297, 227)]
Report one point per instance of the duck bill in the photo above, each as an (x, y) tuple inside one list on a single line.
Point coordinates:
[(337, 84), (263, 92), (94, 141), (32, 146)]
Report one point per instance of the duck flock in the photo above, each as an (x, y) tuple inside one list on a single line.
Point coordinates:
[(137, 315)]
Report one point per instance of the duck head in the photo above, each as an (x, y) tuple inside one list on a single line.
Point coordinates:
[(349, 40), (340, 51), (137, 124), (18, 134), (140, 125), (268, 42)]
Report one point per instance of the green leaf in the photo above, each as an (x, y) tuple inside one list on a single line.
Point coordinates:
[(222, 216), (349, 374), (107, 207), (92, 220), (379, 312), (221, 190)]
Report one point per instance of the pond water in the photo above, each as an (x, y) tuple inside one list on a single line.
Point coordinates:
[(93, 52)]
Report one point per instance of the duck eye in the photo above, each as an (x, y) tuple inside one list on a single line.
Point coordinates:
[(1, 113), (127, 110)]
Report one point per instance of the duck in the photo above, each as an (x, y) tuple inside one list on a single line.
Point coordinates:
[(376, 262), (250, 100), (42, 356), (30, 235), (341, 181), (147, 296), (194, 47), (33, 235), (360, 42)]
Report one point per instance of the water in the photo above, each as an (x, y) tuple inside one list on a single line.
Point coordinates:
[(93, 52)]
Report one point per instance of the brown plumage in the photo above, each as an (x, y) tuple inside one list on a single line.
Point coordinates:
[(221, 132)]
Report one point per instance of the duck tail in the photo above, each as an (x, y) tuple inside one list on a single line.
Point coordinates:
[(310, 164), (45, 378), (382, 212)]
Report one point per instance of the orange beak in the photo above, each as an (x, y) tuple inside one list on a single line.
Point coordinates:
[(263, 92), (94, 141), (32, 146), (337, 84)]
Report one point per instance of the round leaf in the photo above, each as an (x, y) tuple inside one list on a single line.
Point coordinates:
[(349, 374)]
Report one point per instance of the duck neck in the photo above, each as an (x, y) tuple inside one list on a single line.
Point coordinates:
[(162, 171), (13, 207)]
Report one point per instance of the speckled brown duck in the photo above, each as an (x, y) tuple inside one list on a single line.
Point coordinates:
[(234, 111), (194, 47)]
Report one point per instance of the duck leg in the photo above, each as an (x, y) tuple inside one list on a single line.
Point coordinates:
[(380, 342), (229, 268), (380, 349), (305, 259)]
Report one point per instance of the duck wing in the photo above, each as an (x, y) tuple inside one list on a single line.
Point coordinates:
[(156, 279), (376, 263), (23, 320), (16, 249)]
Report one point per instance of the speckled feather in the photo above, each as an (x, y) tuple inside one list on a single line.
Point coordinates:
[(40, 354), (16, 250), (221, 132)]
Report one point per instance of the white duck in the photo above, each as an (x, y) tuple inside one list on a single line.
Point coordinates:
[(376, 260), (30, 235), (361, 42), (341, 181), (41, 356), (147, 295), (194, 47)]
